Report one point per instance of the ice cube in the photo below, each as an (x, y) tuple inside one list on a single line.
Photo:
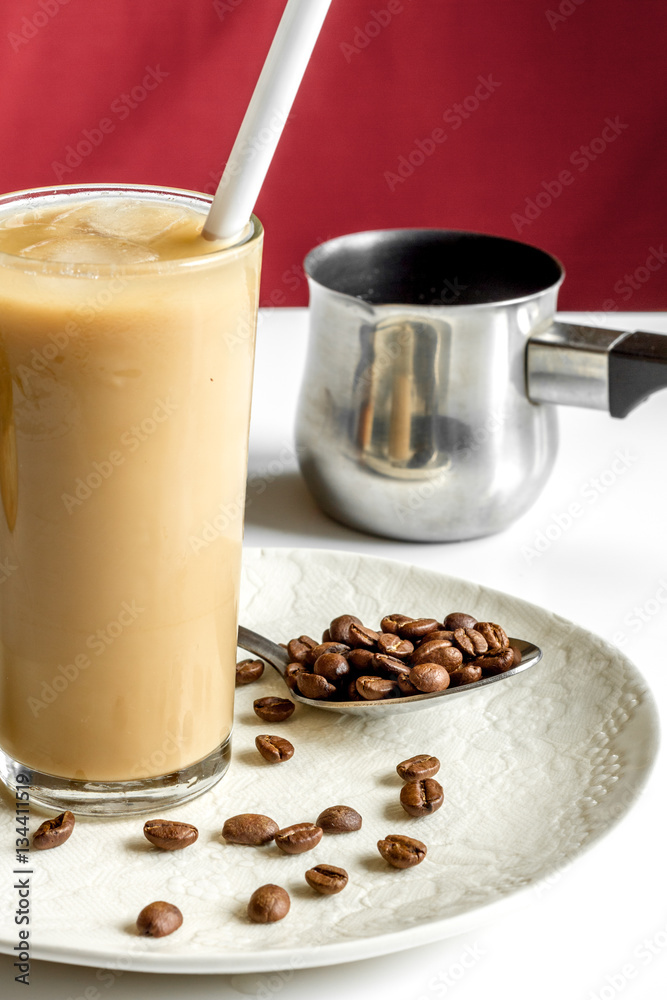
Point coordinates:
[(135, 221), (81, 248)]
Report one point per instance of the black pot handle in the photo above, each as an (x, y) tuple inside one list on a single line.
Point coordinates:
[(637, 368)]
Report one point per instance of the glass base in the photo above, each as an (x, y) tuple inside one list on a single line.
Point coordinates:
[(117, 798)]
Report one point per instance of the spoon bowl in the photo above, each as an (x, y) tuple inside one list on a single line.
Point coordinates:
[(276, 656)]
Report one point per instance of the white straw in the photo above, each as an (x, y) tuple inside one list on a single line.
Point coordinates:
[(265, 118)]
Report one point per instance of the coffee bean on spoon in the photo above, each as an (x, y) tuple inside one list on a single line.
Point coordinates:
[(339, 628), (314, 686), (298, 649), (327, 879), (497, 663), (292, 671), (406, 687), (458, 620), (360, 659), (250, 829), (248, 671), (339, 819), (326, 647), (53, 832), (363, 637), (438, 651), (422, 765), (518, 655), (332, 666), (268, 904), (400, 851), (439, 634), (393, 645), (298, 838), (470, 642), (428, 677), (392, 623), (273, 709), (374, 688), (274, 749), (467, 673), (496, 637), (417, 628), (169, 835), (419, 798), (389, 666), (159, 919)]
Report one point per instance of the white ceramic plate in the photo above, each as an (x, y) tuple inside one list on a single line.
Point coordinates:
[(535, 770)]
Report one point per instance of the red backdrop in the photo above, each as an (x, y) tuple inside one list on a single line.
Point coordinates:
[(542, 119)]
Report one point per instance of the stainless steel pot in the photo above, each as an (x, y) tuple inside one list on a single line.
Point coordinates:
[(434, 357)]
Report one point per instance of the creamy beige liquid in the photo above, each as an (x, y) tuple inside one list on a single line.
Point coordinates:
[(124, 411)]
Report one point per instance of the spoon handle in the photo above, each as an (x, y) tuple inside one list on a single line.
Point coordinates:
[(258, 644)]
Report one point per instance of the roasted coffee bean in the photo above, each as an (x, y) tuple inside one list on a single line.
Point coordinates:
[(496, 637), (470, 642), (390, 667), (362, 637), (392, 623), (422, 765), (298, 649), (339, 629), (374, 688), (458, 620), (292, 671), (53, 832), (314, 686), (518, 655), (333, 666), (268, 904), (339, 819), (248, 671), (159, 919), (417, 628), (274, 748), (406, 687), (326, 879), (360, 659), (447, 638), (419, 798), (170, 835), (298, 838), (352, 693), (467, 673), (326, 635), (326, 647), (402, 852), (496, 663), (438, 651), (251, 829), (393, 645), (429, 677), (273, 709)]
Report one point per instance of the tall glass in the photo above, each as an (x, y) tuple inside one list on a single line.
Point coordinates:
[(125, 392)]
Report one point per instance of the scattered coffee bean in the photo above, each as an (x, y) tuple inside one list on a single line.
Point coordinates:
[(273, 709), (402, 852), (251, 829), (159, 919), (326, 879), (248, 671), (419, 798), (458, 620), (268, 904), (169, 835), (393, 645), (422, 765), (375, 688), (314, 686), (392, 623), (53, 832), (496, 637), (470, 642), (417, 628), (437, 651), (275, 749), (467, 673), (332, 666), (339, 629), (497, 663), (339, 819), (429, 677), (298, 838)]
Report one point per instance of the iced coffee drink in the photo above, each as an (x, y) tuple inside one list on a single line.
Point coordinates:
[(126, 355)]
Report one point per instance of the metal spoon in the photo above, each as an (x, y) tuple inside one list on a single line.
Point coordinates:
[(274, 654)]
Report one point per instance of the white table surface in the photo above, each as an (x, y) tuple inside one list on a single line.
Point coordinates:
[(599, 929)]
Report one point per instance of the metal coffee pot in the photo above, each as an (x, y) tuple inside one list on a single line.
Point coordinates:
[(426, 409)]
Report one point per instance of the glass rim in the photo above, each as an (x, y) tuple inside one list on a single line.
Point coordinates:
[(248, 239)]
